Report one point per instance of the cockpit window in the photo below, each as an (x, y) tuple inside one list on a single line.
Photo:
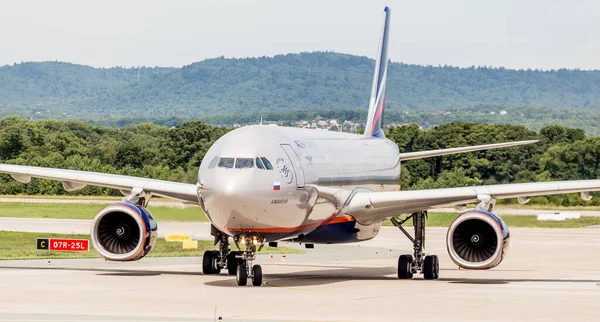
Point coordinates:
[(213, 162), (226, 163), (242, 163), (267, 164), (259, 164)]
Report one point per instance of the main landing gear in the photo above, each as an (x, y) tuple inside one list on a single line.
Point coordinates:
[(238, 263), (419, 263)]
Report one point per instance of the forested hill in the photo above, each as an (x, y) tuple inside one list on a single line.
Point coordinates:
[(41, 83), (307, 81), (174, 153)]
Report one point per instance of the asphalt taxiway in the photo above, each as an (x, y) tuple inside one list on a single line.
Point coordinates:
[(549, 274)]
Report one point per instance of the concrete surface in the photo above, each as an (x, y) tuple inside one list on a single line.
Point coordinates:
[(549, 274)]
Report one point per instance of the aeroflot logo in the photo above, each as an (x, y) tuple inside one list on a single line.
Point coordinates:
[(285, 170)]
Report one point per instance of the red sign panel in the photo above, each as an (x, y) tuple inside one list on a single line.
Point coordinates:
[(70, 245)]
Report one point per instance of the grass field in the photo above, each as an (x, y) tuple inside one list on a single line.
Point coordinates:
[(444, 219), (17, 245), (88, 211)]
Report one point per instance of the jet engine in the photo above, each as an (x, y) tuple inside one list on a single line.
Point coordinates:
[(477, 240), (123, 232)]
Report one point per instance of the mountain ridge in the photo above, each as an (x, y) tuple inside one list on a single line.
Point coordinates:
[(304, 81)]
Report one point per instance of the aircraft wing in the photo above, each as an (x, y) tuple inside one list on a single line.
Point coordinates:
[(75, 180), (440, 152), (368, 207)]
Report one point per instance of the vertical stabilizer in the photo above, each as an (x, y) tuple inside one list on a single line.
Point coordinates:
[(374, 125)]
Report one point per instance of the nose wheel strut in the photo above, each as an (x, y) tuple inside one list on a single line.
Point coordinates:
[(418, 262), (245, 269)]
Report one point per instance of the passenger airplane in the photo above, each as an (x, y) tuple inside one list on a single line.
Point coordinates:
[(263, 184)]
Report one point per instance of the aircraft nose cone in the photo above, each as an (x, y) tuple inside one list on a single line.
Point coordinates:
[(226, 195)]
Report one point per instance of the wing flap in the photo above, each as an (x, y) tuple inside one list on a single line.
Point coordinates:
[(78, 179)]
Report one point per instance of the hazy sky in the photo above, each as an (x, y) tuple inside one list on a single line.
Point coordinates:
[(543, 34)]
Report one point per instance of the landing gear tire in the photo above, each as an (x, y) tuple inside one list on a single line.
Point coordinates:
[(241, 276), (431, 267), (256, 275), (209, 262), (405, 267), (419, 263), (233, 262)]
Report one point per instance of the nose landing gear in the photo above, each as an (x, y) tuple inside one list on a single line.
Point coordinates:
[(251, 243)]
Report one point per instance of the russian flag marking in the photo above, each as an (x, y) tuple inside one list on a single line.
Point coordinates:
[(276, 185)]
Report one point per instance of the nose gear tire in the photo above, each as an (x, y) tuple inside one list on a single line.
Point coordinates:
[(256, 275), (241, 276)]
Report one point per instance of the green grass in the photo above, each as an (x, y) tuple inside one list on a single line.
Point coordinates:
[(17, 245), (88, 211), (443, 219)]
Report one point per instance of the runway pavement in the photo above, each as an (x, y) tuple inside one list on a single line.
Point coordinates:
[(549, 274)]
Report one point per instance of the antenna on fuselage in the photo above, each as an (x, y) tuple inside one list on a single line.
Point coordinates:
[(260, 120)]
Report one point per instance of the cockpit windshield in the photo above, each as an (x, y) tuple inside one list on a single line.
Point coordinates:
[(266, 162), (213, 162), (226, 163), (242, 163)]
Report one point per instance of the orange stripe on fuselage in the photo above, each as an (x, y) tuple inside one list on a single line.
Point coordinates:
[(334, 220)]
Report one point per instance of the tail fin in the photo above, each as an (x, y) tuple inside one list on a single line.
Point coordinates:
[(377, 103)]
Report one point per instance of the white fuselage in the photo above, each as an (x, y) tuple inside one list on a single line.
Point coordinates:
[(277, 202)]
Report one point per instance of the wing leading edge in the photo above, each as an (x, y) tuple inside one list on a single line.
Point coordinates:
[(368, 207), (440, 152), (74, 180)]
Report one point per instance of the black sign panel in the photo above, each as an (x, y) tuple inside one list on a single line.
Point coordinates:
[(43, 244)]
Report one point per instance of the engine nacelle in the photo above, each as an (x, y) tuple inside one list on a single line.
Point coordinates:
[(477, 240), (123, 232)]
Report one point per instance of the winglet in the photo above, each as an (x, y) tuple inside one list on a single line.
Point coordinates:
[(374, 125)]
